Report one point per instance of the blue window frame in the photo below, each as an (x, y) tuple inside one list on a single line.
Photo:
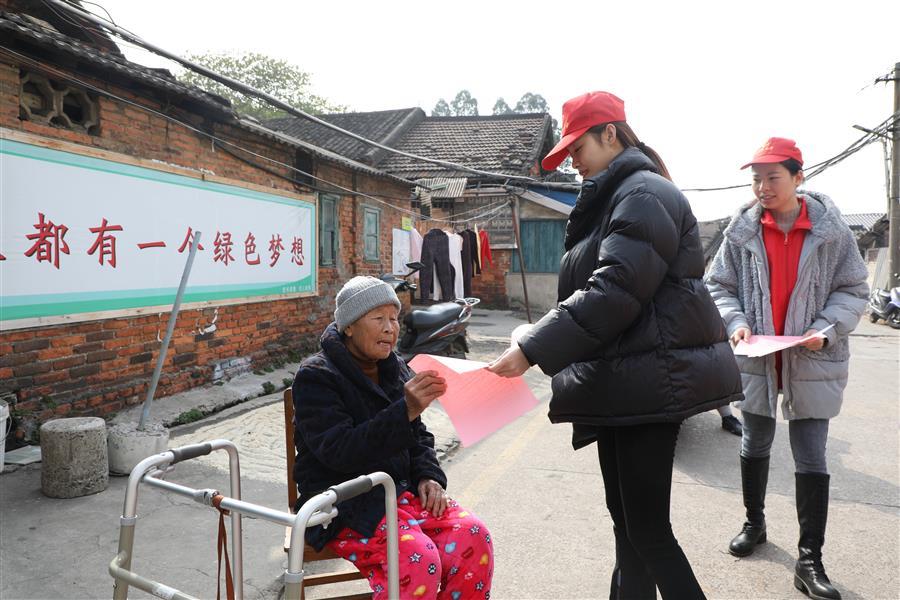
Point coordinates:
[(371, 234), (328, 230)]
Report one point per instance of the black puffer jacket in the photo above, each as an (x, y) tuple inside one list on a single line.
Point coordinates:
[(345, 426), (636, 337)]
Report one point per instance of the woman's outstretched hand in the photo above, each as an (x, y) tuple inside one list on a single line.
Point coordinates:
[(511, 363), (421, 391), (742, 333), (433, 497)]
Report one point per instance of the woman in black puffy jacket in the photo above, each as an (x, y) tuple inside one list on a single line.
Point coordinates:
[(636, 344)]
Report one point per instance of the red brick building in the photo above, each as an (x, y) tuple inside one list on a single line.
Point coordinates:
[(68, 89), (506, 146)]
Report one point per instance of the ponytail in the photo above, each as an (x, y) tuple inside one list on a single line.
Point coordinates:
[(629, 138)]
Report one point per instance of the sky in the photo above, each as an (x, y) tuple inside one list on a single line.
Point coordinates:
[(704, 83)]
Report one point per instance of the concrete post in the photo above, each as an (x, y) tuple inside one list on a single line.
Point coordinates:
[(74, 457)]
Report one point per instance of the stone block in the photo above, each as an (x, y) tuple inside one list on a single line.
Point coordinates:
[(74, 457)]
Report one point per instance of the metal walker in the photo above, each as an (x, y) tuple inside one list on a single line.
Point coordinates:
[(318, 510)]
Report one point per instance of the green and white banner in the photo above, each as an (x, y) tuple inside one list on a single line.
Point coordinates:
[(86, 238)]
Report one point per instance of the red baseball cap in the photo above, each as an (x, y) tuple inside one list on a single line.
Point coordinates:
[(776, 150), (580, 114)]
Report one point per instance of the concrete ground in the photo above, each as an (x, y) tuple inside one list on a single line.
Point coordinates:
[(543, 502)]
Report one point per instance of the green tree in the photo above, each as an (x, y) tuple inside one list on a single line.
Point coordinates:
[(501, 107), (531, 103), (276, 77), (441, 109), (464, 105)]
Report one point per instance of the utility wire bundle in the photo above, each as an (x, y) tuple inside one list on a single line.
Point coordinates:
[(135, 41)]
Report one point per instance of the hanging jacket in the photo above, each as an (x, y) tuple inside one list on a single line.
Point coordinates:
[(830, 289), (636, 337), (346, 425), (471, 241), (485, 248), (436, 258)]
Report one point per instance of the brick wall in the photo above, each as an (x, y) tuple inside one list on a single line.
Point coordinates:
[(99, 367), (490, 286)]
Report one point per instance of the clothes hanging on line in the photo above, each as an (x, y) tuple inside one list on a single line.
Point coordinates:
[(478, 252), (468, 267), (470, 257), (455, 248), (437, 266), (415, 248), (485, 248)]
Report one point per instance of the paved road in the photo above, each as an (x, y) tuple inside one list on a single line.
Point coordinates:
[(543, 502)]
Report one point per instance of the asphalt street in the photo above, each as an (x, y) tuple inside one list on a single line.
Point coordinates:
[(542, 501)]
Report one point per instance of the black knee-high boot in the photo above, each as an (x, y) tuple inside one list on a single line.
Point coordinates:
[(812, 513), (754, 478)]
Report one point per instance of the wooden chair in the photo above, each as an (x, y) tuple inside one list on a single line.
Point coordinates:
[(309, 553)]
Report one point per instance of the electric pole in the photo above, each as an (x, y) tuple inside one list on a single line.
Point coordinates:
[(894, 209)]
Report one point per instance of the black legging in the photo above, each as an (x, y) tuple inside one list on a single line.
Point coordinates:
[(636, 462)]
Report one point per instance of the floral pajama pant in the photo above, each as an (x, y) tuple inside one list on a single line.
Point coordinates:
[(448, 557)]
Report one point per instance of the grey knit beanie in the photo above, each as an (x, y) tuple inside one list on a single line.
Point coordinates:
[(360, 295)]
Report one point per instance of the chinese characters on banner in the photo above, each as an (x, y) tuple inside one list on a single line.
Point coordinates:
[(82, 235), (49, 241)]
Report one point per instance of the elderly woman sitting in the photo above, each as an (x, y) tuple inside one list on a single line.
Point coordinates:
[(357, 409)]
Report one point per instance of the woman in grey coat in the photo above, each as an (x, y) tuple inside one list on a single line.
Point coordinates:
[(789, 266)]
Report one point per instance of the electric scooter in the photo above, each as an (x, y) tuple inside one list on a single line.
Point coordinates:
[(885, 305), (437, 329)]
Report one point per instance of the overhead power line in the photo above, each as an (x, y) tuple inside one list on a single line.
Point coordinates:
[(272, 100), (489, 212), (872, 135), (134, 39)]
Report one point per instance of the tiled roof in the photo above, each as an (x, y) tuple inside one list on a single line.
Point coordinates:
[(508, 144), (862, 221), (384, 126), (31, 34), (23, 29)]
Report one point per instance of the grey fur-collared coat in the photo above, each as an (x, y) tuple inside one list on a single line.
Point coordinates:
[(831, 289)]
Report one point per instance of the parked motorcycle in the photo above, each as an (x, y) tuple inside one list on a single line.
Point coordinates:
[(437, 329), (885, 305)]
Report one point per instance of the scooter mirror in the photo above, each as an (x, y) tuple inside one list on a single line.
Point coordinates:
[(415, 266)]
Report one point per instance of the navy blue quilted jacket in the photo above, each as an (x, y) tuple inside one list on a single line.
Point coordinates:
[(346, 425)]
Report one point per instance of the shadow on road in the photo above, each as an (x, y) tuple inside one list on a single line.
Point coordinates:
[(709, 455)]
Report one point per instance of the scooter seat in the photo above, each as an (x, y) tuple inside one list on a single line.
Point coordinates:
[(433, 316)]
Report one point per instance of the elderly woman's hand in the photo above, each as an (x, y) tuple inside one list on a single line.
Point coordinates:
[(421, 391), (433, 497), (511, 363)]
